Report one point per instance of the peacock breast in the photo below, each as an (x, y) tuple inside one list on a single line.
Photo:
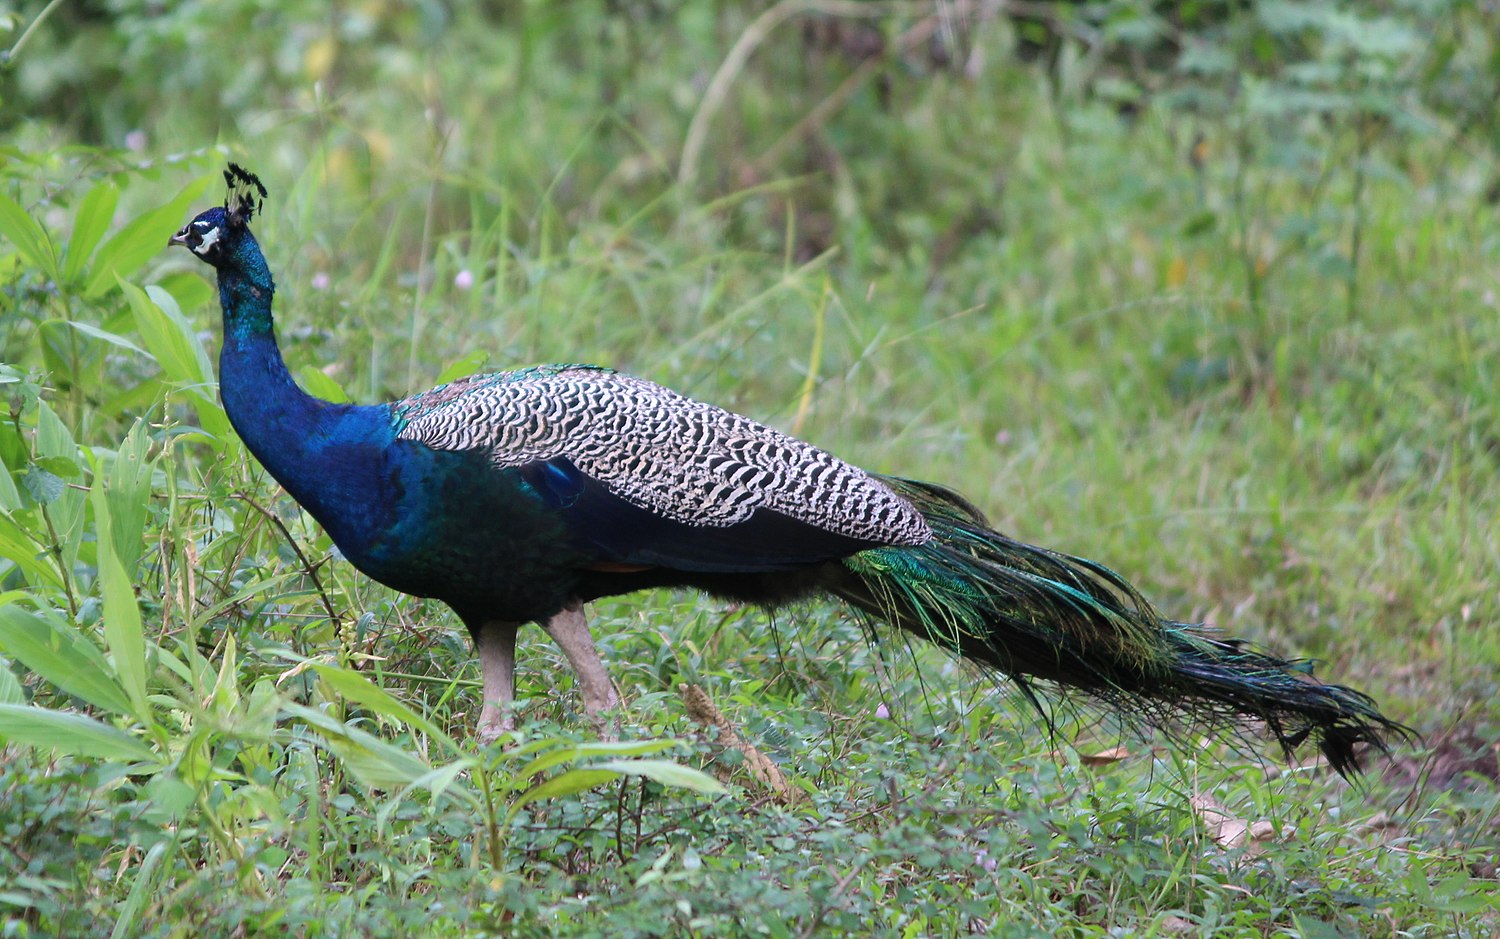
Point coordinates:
[(472, 535)]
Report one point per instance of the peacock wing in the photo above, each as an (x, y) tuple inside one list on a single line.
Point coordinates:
[(649, 476)]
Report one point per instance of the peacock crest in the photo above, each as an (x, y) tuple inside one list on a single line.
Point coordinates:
[(246, 195)]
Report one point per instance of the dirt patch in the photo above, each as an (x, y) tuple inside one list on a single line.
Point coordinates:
[(1466, 757)]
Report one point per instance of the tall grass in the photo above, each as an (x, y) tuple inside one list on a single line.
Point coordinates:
[(1128, 339)]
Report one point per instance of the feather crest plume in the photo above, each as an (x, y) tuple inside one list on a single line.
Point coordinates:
[(246, 195)]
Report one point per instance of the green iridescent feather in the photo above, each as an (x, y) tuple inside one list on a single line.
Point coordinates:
[(1038, 615)]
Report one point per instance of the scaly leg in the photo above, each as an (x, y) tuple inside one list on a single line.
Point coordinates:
[(496, 640), (570, 630)]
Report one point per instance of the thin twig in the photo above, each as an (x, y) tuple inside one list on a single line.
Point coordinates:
[(840, 96), (762, 26), (15, 50), (838, 891), (718, 88), (56, 550), (308, 567), (935, 12)]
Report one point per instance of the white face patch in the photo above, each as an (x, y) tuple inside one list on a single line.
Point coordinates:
[(210, 238)]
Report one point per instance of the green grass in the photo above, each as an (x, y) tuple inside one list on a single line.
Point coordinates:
[(1173, 365)]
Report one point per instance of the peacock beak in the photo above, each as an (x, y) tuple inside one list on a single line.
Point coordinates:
[(179, 239)]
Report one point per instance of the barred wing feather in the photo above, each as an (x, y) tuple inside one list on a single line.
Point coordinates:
[(679, 459)]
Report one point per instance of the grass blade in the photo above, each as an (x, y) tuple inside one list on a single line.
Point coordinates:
[(72, 734), (141, 887)]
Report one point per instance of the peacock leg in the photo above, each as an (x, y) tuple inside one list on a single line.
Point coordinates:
[(496, 640), (570, 630)]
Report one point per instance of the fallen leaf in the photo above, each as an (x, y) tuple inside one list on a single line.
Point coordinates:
[(1104, 757), (1229, 831)]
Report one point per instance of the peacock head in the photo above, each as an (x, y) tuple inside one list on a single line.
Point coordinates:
[(216, 233)]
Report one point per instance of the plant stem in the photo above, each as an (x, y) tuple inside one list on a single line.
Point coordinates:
[(15, 50)]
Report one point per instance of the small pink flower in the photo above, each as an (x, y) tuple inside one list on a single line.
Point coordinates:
[(882, 712), (135, 141), (320, 280), (464, 279)]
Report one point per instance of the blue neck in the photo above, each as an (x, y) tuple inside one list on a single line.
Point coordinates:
[(269, 410), (245, 291), (326, 455)]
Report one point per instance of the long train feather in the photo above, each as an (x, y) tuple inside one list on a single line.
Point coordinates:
[(1038, 615)]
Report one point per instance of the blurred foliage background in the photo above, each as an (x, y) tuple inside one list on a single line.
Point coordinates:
[(1204, 290)]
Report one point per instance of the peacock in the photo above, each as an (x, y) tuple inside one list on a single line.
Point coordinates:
[(517, 497)]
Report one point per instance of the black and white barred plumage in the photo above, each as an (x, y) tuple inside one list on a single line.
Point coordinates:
[(682, 459)]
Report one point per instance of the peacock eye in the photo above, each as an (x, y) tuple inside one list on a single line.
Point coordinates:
[(209, 237)]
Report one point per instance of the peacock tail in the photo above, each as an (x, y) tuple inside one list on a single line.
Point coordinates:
[(1037, 615)]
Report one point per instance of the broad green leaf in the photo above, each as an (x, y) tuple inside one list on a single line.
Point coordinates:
[(167, 303), (140, 240), (667, 773), (10, 497), (255, 720), (168, 341), (57, 652), (564, 784), (133, 399), (375, 763), (441, 780), (176, 666), (319, 385), (464, 367), (440, 783), (30, 239), (593, 774), (190, 288), (94, 215), (170, 796), (357, 687), (122, 615), (63, 466), (43, 486), (226, 694), (72, 734)]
